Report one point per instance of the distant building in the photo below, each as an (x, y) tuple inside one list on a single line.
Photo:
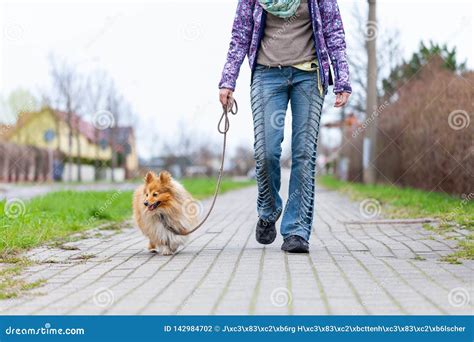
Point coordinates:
[(177, 166), (123, 138)]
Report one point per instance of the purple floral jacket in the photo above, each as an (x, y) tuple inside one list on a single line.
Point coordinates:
[(328, 34)]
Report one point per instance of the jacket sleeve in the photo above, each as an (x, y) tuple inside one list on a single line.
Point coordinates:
[(334, 36), (239, 44)]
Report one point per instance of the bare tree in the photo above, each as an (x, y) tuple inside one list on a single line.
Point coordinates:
[(243, 160), (96, 94), (120, 111), (68, 89), (388, 55)]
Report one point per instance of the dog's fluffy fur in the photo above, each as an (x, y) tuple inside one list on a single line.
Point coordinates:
[(160, 202)]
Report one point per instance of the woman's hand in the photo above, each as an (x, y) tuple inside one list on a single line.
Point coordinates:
[(341, 99), (225, 96)]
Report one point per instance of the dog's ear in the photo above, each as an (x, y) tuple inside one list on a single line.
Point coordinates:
[(165, 177), (150, 176)]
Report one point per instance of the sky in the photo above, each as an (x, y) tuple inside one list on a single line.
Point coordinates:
[(167, 56)]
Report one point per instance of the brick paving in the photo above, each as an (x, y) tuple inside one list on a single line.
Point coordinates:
[(356, 266), (28, 191)]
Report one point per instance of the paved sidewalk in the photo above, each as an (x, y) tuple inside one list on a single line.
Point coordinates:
[(28, 191), (355, 266)]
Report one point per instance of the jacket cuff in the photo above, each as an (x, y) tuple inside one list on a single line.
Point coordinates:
[(227, 85), (338, 88)]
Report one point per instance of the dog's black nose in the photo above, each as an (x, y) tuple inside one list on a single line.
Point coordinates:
[(146, 203)]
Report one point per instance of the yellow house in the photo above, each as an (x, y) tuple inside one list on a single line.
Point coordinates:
[(48, 129)]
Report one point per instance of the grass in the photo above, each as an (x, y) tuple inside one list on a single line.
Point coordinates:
[(10, 285), (204, 187), (399, 202), (57, 215)]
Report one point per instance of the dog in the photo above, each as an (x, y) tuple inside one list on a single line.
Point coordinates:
[(163, 209)]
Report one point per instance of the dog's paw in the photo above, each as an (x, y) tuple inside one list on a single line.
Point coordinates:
[(167, 251), (151, 247)]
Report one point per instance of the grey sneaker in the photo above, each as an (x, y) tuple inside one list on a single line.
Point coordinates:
[(265, 233), (295, 244)]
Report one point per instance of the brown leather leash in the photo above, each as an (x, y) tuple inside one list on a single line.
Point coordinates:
[(233, 108)]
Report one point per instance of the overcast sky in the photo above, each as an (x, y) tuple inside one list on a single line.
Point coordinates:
[(166, 56)]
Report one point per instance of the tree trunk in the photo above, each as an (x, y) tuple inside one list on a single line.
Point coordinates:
[(114, 154), (69, 157), (79, 172), (97, 152)]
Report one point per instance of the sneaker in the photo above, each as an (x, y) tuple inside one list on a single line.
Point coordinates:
[(295, 244), (265, 233)]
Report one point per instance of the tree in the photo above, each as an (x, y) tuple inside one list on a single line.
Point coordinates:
[(404, 71), (388, 55), (243, 160), (120, 112), (68, 90), (96, 95), (19, 102)]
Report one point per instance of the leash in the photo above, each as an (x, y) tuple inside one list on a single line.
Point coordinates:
[(222, 127)]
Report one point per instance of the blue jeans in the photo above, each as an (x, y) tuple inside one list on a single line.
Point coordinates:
[(271, 91)]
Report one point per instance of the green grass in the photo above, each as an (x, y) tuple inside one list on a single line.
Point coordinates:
[(57, 215), (408, 202), (204, 187), (399, 202), (10, 285)]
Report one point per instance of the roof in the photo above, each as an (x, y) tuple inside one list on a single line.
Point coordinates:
[(79, 124)]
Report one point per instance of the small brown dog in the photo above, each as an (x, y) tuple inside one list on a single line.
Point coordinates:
[(161, 207)]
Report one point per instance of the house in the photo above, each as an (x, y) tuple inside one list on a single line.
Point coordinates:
[(123, 140), (92, 147)]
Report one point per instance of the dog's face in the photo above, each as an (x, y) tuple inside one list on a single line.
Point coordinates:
[(157, 190)]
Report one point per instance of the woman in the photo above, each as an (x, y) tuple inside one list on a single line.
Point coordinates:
[(289, 44)]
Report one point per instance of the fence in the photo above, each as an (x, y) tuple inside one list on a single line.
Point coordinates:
[(24, 163), (31, 164)]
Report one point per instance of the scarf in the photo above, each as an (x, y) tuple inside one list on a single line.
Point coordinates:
[(280, 8)]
